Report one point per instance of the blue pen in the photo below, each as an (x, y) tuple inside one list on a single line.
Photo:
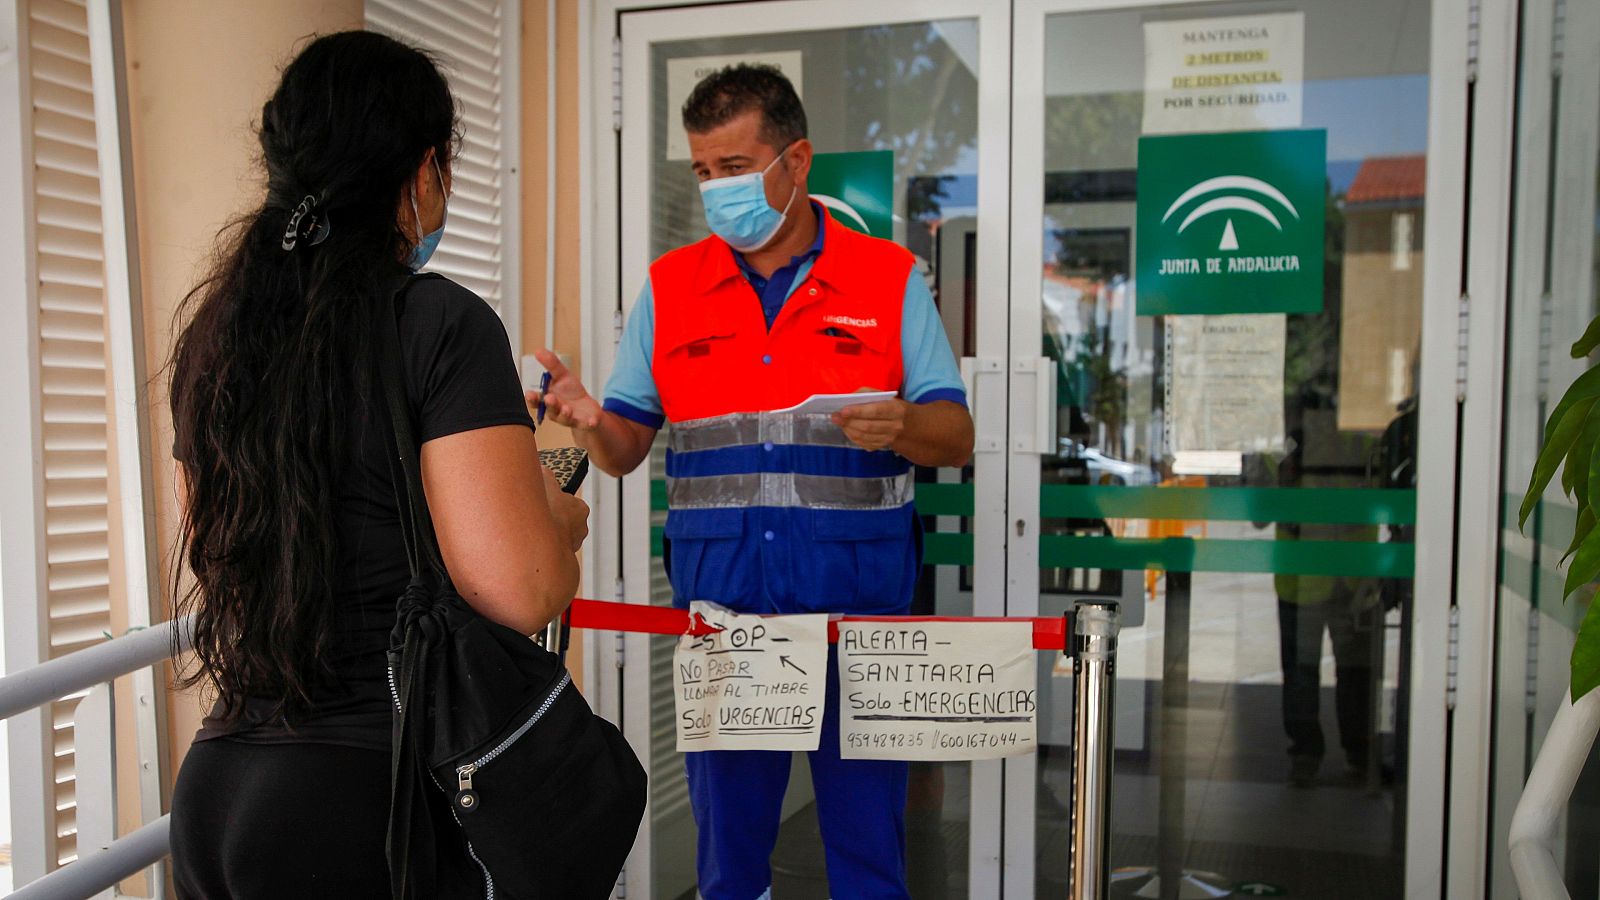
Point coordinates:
[(544, 385)]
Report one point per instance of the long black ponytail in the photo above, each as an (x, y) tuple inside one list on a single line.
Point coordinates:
[(277, 349)]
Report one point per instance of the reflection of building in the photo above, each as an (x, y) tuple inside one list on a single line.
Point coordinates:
[(1381, 322)]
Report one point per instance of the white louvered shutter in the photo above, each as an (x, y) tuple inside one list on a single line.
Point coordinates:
[(476, 41), (72, 357)]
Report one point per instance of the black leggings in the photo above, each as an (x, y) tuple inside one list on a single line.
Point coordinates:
[(280, 820)]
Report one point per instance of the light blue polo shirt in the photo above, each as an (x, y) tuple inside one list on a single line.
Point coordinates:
[(930, 367)]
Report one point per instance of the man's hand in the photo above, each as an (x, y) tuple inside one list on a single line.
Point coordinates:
[(566, 401), (928, 434), (874, 426)]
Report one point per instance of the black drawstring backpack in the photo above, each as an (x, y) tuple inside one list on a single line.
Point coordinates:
[(504, 783)]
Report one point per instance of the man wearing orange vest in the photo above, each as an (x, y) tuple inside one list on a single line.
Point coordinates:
[(781, 513)]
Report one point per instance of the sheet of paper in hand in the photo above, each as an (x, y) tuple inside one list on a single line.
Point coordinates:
[(828, 404), (937, 690), (757, 684)]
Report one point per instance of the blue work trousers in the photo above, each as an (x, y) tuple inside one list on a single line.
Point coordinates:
[(737, 797)]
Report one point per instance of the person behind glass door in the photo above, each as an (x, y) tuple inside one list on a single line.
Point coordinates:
[(779, 303), (1345, 607), (290, 526)]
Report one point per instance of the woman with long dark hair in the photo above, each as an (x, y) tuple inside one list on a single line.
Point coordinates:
[(291, 529)]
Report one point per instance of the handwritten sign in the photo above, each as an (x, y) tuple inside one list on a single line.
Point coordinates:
[(756, 684), (936, 690)]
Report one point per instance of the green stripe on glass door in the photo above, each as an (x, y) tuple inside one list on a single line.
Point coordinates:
[(935, 499), (1349, 558), (1330, 506), (1310, 506)]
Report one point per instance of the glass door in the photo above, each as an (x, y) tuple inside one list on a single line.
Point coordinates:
[(1554, 292), (918, 92), (1218, 295)]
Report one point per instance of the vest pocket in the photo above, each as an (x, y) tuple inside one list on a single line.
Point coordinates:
[(706, 560), (698, 343), (862, 564), (842, 360)]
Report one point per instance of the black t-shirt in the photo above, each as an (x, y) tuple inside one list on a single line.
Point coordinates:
[(460, 376)]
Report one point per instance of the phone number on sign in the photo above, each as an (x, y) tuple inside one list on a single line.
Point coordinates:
[(985, 740), (886, 741)]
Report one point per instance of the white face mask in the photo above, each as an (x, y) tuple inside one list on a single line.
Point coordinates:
[(737, 209)]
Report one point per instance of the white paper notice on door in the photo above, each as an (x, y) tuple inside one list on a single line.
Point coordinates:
[(686, 72), (1231, 73), (937, 690), (1227, 389), (756, 684)]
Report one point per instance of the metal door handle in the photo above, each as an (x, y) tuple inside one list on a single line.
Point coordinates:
[(971, 368), (1041, 437)]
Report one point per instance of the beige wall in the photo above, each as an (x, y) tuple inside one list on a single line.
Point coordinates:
[(535, 197), (198, 73)]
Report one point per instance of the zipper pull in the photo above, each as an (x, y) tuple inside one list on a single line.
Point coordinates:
[(466, 798)]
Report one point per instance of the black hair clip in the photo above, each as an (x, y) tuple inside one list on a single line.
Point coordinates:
[(305, 223)]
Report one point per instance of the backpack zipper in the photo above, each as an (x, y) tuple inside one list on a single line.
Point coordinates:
[(464, 773), (488, 880), (394, 692), (467, 770)]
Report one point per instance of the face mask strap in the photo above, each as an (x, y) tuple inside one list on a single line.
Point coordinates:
[(795, 189), (776, 158), (417, 215)]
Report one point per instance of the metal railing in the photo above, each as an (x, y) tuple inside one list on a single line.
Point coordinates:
[(1544, 799), (93, 670)]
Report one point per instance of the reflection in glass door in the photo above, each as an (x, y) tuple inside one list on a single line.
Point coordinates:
[(1232, 457), (901, 81)]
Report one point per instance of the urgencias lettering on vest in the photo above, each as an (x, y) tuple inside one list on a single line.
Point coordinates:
[(850, 321)]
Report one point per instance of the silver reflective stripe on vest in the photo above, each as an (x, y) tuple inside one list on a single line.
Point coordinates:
[(744, 429), (789, 489)]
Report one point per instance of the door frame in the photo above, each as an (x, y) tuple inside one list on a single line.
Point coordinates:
[(619, 31), (1487, 52), (1443, 293)]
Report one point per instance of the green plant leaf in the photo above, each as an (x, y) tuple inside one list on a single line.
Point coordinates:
[(1580, 458), (1558, 440), (1586, 344), (1585, 564), (1569, 472), (1584, 387), (1581, 531), (1590, 498), (1586, 653)]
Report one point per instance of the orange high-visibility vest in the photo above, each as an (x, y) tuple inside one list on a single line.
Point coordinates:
[(777, 512), (838, 332)]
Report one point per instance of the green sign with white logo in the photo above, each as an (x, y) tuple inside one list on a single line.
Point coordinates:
[(1231, 223), (857, 189)]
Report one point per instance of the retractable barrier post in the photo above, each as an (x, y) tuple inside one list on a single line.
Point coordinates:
[(1094, 658)]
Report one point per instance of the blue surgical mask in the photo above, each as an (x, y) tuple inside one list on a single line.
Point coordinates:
[(737, 209), (425, 247)]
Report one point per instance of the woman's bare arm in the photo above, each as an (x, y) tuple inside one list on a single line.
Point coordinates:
[(509, 537)]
